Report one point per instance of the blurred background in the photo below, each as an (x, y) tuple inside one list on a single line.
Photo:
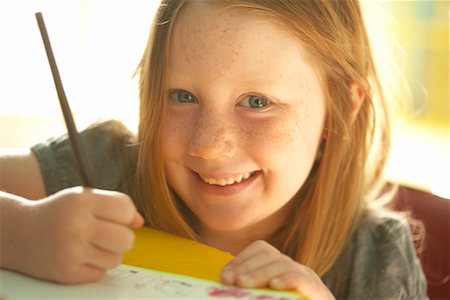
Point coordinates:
[(98, 44)]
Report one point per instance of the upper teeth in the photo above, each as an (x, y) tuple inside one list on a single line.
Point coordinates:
[(226, 181)]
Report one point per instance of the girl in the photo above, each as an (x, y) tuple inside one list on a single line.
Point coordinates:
[(263, 132)]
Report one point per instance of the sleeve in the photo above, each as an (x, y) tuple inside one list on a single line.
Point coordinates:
[(105, 145), (385, 264)]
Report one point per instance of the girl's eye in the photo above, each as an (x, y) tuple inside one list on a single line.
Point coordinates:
[(256, 102), (182, 96)]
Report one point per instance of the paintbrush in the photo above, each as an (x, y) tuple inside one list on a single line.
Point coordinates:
[(74, 136)]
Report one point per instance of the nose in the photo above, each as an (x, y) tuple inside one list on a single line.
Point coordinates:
[(213, 138)]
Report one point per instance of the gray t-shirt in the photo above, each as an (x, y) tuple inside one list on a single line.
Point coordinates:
[(379, 261)]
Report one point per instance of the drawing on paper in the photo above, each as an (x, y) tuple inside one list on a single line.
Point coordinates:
[(177, 286), (234, 292)]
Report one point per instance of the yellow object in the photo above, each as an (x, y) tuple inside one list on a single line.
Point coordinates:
[(166, 252)]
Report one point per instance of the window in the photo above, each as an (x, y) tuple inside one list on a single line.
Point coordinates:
[(98, 45)]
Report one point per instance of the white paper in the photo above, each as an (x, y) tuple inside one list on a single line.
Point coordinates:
[(128, 282)]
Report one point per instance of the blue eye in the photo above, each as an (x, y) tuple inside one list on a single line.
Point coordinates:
[(256, 102), (182, 96)]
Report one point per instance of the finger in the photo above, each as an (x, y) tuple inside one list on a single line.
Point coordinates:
[(259, 260), (231, 272), (288, 280), (112, 237), (262, 276), (79, 274), (114, 206), (307, 282), (89, 273), (103, 259), (137, 222), (253, 257), (252, 250)]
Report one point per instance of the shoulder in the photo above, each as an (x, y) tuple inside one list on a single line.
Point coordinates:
[(383, 241), (385, 257), (380, 260), (112, 129), (109, 153), (98, 134), (383, 228)]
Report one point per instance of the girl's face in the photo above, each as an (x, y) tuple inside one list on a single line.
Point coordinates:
[(245, 118)]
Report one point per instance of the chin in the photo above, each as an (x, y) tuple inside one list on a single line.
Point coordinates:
[(227, 223), (227, 227)]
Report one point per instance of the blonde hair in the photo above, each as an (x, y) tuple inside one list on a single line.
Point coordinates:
[(332, 200)]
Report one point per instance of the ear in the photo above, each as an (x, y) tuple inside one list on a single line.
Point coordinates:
[(358, 95)]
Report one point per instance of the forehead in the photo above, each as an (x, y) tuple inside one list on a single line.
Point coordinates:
[(212, 23), (231, 41)]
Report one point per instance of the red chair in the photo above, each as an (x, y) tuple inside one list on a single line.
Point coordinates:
[(434, 213)]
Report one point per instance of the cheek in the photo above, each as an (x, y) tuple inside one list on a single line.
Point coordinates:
[(175, 134), (287, 145), (295, 135)]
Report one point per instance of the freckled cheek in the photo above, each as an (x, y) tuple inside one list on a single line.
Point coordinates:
[(176, 133), (285, 149), (271, 138), (277, 150)]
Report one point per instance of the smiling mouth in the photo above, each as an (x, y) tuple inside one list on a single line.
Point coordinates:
[(230, 180)]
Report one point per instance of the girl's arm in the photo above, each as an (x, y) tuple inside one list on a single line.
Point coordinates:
[(20, 174)]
